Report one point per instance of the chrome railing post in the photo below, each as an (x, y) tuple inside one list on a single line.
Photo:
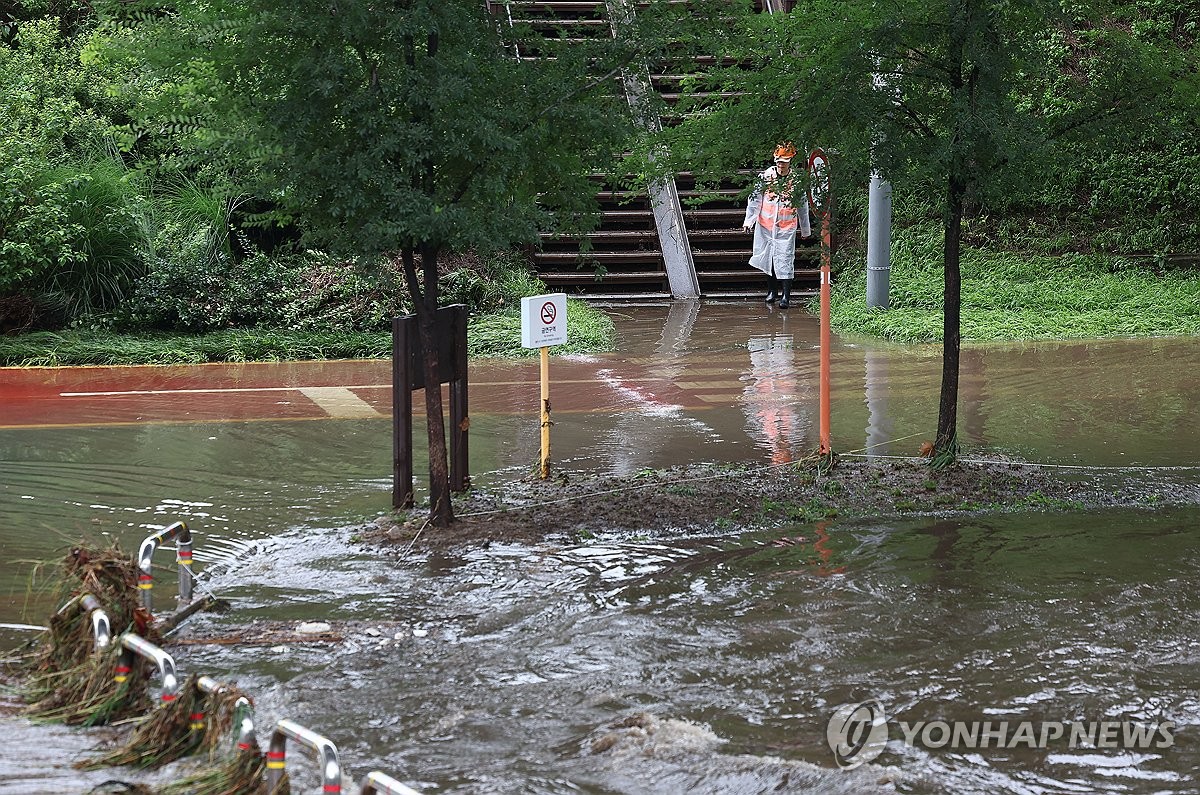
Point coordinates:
[(243, 714), (101, 626), (383, 784), (327, 755), (178, 530), (133, 645)]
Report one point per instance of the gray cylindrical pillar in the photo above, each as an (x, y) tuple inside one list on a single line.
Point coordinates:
[(879, 242)]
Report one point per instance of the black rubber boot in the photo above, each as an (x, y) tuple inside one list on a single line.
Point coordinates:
[(785, 300), (772, 288)]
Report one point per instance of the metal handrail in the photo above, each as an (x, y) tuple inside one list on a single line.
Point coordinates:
[(134, 645), (146, 551), (243, 714), (327, 755), (101, 626), (384, 784)]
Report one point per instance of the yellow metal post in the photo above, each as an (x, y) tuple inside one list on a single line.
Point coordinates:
[(545, 468)]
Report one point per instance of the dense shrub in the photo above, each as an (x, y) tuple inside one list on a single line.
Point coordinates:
[(305, 291), (71, 235)]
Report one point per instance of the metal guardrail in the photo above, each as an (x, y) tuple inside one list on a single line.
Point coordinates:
[(243, 714), (134, 645), (101, 626), (383, 784), (244, 737), (178, 530), (327, 755)]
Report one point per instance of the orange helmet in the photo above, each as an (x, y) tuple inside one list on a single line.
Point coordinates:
[(785, 151)]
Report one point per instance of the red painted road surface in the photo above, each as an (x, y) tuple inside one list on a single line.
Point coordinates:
[(233, 392)]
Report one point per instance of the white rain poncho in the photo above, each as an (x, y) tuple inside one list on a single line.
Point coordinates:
[(775, 221)]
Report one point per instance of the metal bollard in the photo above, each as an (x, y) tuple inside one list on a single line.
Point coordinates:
[(377, 782), (327, 755), (135, 645), (243, 714), (101, 627), (146, 551)]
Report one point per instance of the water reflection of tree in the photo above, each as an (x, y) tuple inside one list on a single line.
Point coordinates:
[(769, 398)]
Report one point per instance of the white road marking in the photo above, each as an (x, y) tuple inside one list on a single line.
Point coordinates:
[(533, 382), (216, 389), (339, 401)]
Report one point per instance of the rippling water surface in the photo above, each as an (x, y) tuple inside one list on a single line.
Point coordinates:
[(502, 669)]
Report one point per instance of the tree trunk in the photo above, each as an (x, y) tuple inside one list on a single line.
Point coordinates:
[(945, 446), (425, 305)]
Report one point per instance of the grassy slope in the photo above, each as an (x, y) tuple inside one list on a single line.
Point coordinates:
[(1008, 295), (496, 334)]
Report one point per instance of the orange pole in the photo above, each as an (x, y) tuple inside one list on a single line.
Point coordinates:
[(826, 447)]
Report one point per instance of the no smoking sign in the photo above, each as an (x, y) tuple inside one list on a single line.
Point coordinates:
[(544, 320)]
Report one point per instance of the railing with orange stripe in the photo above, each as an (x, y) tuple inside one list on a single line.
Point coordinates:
[(383, 784), (327, 755), (146, 551), (134, 645)]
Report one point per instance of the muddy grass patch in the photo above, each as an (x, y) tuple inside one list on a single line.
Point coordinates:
[(722, 498)]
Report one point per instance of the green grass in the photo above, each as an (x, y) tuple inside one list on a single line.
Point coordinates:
[(496, 334), (1011, 295)]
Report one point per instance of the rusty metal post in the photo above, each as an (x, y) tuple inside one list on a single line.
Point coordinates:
[(178, 530), (826, 279), (135, 645), (383, 784), (327, 755), (820, 198), (402, 476)]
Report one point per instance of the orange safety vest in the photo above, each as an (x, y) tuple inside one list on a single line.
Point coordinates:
[(777, 212)]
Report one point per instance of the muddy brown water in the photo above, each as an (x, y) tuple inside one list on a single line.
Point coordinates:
[(499, 670)]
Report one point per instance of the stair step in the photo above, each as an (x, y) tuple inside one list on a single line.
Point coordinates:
[(703, 255), (608, 279), (575, 6), (671, 97), (565, 22), (628, 215), (607, 235), (601, 257), (721, 192), (722, 234)]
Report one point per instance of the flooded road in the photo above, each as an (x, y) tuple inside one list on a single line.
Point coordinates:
[(500, 671)]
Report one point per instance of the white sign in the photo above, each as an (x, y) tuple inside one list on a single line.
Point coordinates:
[(818, 179), (543, 320)]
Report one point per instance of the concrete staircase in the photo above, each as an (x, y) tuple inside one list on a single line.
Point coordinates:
[(636, 252)]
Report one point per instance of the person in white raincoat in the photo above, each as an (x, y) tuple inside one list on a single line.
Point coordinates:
[(774, 217)]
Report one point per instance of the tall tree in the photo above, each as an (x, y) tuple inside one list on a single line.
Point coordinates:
[(962, 99), (397, 130)]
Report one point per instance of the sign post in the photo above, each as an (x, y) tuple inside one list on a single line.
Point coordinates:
[(544, 323), (820, 199), (408, 374)]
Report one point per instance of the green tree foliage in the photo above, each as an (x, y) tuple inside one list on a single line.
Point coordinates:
[(70, 229), (971, 101), (399, 130)]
